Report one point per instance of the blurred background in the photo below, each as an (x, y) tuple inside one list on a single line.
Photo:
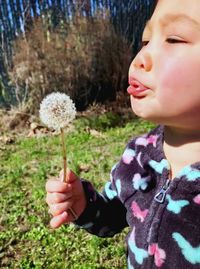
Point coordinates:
[(80, 47)]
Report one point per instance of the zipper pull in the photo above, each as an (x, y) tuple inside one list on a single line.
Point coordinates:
[(160, 196)]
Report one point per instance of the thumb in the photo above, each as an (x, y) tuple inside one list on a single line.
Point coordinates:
[(70, 176)]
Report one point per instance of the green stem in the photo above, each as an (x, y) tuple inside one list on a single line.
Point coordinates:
[(65, 178), (64, 155)]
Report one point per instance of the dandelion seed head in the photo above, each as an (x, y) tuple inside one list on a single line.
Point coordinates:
[(57, 110)]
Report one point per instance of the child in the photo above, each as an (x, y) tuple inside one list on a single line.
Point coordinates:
[(155, 188)]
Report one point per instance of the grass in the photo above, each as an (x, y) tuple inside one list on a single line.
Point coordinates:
[(26, 240)]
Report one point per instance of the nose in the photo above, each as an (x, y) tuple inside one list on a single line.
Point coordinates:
[(143, 61)]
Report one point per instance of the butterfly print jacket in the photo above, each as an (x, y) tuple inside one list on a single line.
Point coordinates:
[(163, 214)]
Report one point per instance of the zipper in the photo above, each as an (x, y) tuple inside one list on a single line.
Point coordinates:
[(160, 196)]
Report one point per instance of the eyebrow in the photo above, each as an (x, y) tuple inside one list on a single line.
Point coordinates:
[(172, 18)]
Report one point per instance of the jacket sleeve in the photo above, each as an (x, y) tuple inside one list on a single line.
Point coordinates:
[(105, 215)]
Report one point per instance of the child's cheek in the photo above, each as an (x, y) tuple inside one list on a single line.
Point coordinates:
[(174, 77)]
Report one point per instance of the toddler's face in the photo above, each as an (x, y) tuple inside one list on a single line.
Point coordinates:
[(165, 74)]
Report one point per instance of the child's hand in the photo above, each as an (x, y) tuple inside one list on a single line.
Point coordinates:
[(62, 196)]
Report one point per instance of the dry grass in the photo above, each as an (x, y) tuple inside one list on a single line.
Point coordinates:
[(85, 58)]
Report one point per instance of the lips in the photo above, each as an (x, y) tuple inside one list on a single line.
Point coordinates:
[(136, 88)]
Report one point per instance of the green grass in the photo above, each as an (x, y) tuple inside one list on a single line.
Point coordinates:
[(26, 240)]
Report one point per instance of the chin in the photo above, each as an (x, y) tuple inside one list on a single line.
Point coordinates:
[(143, 110), (149, 117), (143, 114)]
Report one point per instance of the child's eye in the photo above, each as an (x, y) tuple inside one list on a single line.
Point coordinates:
[(144, 43), (172, 40)]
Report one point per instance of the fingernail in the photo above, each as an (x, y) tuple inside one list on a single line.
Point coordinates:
[(64, 214)]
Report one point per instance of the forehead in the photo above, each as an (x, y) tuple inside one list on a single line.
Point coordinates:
[(190, 8)]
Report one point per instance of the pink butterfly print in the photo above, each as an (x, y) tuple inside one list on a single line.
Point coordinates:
[(144, 141), (197, 199), (137, 212), (159, 254)]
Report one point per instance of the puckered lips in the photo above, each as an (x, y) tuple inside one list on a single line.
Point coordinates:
[(136, 88)]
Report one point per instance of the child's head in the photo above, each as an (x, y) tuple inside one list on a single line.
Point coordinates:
[(169, 66)]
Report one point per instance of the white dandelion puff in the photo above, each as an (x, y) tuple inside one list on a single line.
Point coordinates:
[(57, 110)]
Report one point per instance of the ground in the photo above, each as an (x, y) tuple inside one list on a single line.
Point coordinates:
[(29, 156)]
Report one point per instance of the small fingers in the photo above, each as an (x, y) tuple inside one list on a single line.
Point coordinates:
[(57, 186), (54, 198), (57, 221), (57, 209)]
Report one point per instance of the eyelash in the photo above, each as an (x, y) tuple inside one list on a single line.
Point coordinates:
[(174, 40), (144, 43), (168, 40)]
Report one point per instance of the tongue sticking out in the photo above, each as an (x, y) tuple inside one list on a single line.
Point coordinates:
[(136, 88)]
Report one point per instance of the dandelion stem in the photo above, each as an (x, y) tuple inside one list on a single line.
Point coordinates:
[(64, 155), (65, 177)]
